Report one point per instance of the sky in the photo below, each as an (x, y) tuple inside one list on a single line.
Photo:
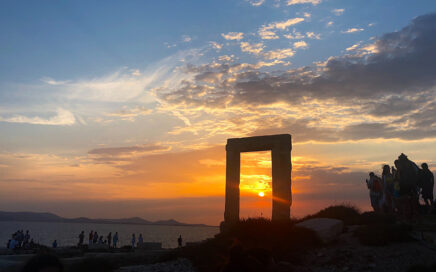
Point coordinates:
[(122, 108)]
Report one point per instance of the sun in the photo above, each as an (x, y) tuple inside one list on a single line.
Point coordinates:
[(261, 194)]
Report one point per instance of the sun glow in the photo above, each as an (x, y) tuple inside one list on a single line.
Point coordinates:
[(261, 194)]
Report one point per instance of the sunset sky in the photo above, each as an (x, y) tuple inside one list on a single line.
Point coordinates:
[(122, 108)]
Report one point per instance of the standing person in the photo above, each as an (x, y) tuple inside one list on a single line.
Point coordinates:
[(91, 237), (180, 241), (109, 239), (55, 244), (133, 240), (27, 237), (20, 238), (427, 185), (408, 187), (13, 244), (115, 240), (388, 189), (95, 239), (140, 240), (375, 191), (81, 238)]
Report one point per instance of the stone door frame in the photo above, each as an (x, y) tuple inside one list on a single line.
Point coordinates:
[(280, 146)]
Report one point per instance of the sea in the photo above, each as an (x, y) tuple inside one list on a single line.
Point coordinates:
[(67, 234)]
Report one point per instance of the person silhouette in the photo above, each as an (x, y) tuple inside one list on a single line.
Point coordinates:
[(133, 240), (115, 239), (109, 239), (427, 185), (180, 241), (81, 238), (140, 240)]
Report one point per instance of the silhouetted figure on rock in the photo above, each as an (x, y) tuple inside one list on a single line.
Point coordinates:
[(388, 189), (81, 238), (133, 241), (375, 187), (91, 237), (180, 241), (95, 238), (109, 239), (427, 185), (115, 239)]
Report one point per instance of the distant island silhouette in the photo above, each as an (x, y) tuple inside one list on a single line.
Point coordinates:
[(51, 217)]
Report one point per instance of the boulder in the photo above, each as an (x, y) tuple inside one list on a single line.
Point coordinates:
[(327, 229)]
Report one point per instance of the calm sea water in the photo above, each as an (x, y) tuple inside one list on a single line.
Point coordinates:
[(67, 234)]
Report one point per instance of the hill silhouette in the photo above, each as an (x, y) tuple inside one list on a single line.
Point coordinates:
[(50, 217)]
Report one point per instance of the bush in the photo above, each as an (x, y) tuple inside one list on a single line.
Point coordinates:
[(255, 238), (349, 214)]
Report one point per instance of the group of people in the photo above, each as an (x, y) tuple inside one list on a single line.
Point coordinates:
[(20, 240), (399, 188), (95, 239)]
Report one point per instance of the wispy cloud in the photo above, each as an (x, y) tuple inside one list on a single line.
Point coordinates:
[(338, 11), (296, 2), (353, 30), (216, 45), (267, 32), (186, 38), (233, 36), (255, 49), (312, 35), (62, 117), (300, 44), (256, 3)]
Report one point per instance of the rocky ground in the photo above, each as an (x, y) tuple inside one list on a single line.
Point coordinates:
[(179, 265), (348, 254)]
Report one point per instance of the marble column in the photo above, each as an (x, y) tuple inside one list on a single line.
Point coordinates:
[(281, 183), (233, 169)]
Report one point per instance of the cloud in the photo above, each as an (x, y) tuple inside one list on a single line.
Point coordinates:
[(226, 58), (256, 3), (300, 44), (338, 11), (61, 118), (267, 32), (285, 24), (131, 113), (295, 2), (186, 38), (255, 49), (216, 45), (233, 36), (375, 88), (353, 47), (330, 23), (279, 54), (312, 35), (353, 30), (116, 151)]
